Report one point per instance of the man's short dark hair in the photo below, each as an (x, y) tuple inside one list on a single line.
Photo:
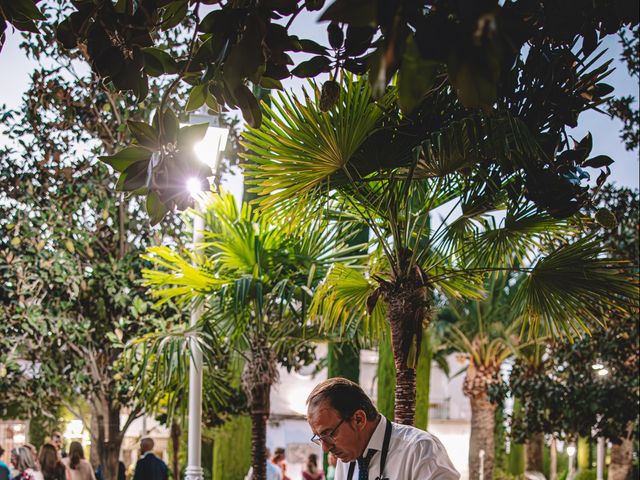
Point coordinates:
[(343, 395), (1, 451)]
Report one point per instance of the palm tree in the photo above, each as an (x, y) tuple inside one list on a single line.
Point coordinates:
[(484, 331), (362, 161), (255, 277)]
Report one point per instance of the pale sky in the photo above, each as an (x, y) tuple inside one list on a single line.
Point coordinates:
[(15, 68)]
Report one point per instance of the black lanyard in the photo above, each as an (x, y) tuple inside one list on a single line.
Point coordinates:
[(383, 455)]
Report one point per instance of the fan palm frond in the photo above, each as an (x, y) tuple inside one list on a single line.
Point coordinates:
[(342, 298), (574, 287), (298, 148)]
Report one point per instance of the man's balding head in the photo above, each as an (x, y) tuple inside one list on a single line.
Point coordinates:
[(146, 445)]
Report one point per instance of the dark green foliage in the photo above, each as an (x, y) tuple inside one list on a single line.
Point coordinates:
[(386, 378), (343, 361)]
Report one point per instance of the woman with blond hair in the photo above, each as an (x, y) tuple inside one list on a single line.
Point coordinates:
[(80, 469), (50, 465), (26, 465)]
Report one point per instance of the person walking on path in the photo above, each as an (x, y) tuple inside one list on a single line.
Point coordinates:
[(149, 467), (345, 422), (50, 465), (78, 467), (311, 470), (26, 465)]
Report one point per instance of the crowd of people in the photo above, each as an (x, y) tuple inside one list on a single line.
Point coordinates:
[(277, 467), (52, 462)]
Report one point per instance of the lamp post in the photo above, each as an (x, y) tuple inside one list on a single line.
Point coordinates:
[(571, 451), (207, 151), (602, 372)]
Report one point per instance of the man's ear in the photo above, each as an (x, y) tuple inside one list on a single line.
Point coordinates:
[(360, 419)]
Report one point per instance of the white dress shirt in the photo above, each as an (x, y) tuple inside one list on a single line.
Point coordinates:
[(413, 455)]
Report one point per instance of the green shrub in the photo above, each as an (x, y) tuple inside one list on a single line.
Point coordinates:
[(586, 474)]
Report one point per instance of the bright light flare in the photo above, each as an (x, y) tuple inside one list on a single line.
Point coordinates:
[(194, 186), (597, 366), (603, 371), (571, 450)]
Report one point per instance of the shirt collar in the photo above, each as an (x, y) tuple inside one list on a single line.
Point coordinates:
[(377, 439), (149, 452)]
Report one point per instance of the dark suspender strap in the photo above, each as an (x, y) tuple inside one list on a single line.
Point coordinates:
[(385, 449), (352, 469), (383, 454)]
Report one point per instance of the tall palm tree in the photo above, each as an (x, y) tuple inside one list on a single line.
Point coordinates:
[(485, 332), (362, 161), (255, 277)]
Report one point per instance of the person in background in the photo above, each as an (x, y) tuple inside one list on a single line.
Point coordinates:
[(5, 473), (149, 467), (279, 460), (311, 470), (331, 466), (78, 467), (50, 465), (273, 472), (121, 472), (25, 465), (58, 442)]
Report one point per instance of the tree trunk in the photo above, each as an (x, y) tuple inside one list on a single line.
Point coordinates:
[(483, 419), (175, 444), (534, 450), (622, 458), (482, 438), (258, 376), (108, 437), (406, 310)]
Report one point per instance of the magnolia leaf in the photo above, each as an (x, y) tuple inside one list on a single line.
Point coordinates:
[(156, 209), (144, 134), (313, 67), (197, 97), (126, 157)]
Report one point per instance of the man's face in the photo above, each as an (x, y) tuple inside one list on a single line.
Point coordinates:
[(345, 438), (56, 441)]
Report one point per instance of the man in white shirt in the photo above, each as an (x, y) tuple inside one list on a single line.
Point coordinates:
[(368, 446)]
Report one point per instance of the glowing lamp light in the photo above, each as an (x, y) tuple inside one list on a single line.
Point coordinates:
[(19, 438), (571, 450), (603, 371), (597, 366)]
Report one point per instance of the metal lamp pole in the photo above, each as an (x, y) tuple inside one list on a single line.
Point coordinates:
[(213, 143)]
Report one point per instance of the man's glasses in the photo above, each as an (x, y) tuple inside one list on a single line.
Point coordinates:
[(328, 438)]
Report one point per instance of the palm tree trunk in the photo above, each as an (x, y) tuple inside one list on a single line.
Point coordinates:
[(175, 444), (622, 457), (406, 310), (259, 374), (534, 449), (258, 445), (482, 437)]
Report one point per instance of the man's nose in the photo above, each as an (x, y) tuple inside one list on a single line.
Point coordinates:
[(326, 448)]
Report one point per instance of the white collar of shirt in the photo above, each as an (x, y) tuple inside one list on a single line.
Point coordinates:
[(149, 452), (377, 439)]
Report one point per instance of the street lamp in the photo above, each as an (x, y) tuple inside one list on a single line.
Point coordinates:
[(571, 451), (207, 151)]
